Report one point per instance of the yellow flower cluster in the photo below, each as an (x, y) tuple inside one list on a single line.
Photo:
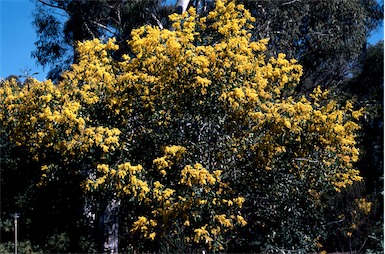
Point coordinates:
[(223, 221), (144, 226), (105, 138), (328, 130), (221, 224), (198, 175), (162, 194), (202, 234), (230, 19), (126, 179), (171, 153), (190, 69), (45, 116), (174, 151), (364, 205)]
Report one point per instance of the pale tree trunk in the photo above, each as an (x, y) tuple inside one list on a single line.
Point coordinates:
[(181, 6), (109, 222), (200, 5)]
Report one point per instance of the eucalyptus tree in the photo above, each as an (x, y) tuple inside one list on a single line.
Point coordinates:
[(326, 37), (61, 24)]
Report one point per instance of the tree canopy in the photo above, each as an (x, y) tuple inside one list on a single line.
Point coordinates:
[(326, 37)]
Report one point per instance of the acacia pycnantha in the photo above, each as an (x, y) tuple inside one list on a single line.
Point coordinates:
[(187, 125)]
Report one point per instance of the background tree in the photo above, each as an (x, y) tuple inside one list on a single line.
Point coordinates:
[(367, 87), (326, 37), (61, 24)]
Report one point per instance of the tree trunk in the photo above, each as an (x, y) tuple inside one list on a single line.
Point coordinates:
[(109, 222), (181, 6)]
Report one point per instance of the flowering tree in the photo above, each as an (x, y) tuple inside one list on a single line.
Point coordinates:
[(195, 135)]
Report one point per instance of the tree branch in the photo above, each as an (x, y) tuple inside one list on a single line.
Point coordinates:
[(334, 222), (157, 21), (304, 159), (89, 30), (155, 18), (53, 6), (104, 27), (291, 2), (359, 251)]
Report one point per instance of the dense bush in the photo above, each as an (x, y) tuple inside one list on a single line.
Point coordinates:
[(195, 137)]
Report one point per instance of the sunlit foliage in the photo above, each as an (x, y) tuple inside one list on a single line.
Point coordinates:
[(197, 131)]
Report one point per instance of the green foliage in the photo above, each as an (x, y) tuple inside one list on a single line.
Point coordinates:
[(195, 138), (22, 248), (58, 242), (326, 37)]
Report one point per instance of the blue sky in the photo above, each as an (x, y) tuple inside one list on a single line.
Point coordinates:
[(17, 37)]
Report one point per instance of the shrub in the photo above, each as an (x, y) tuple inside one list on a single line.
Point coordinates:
[(197, 133)]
